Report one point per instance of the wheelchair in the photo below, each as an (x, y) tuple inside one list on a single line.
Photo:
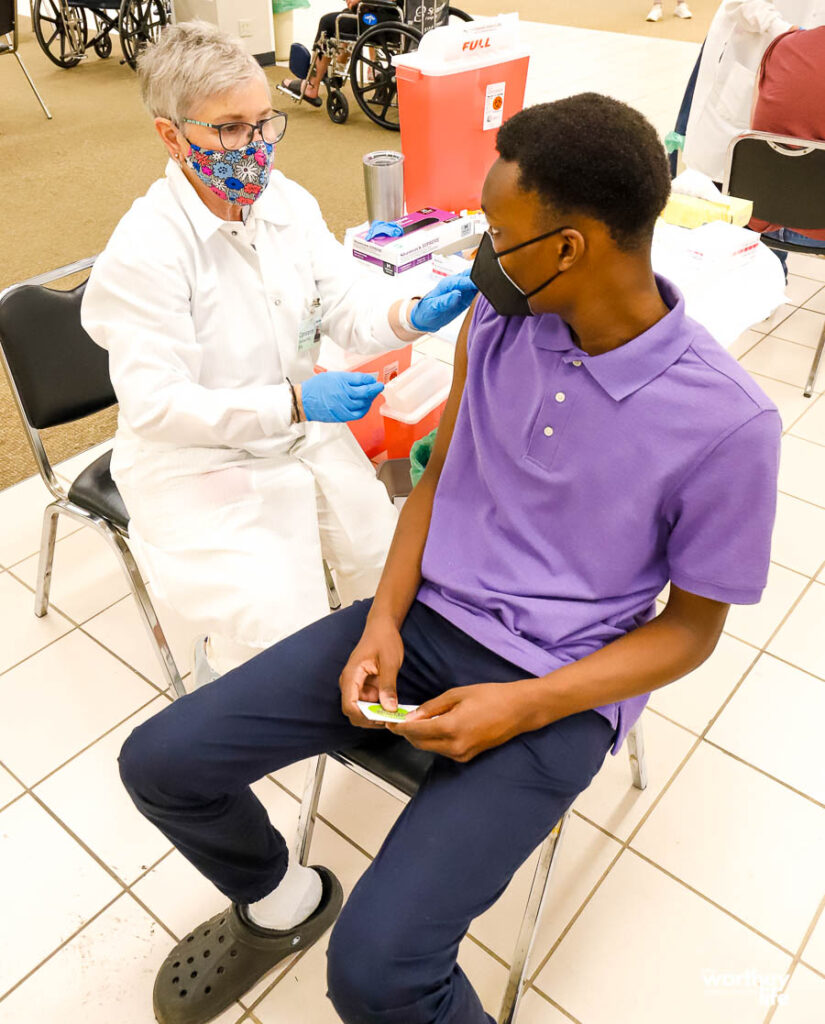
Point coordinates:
[(61, 27), (384, 29)]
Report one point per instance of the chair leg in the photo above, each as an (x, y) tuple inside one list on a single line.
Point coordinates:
[(145, 607), (532, 914), (44, 567), (636, 750), (332, 591), (309, 807), (25, 71), (809, 387)]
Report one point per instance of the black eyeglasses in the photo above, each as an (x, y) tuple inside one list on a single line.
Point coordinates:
[(238, 134)]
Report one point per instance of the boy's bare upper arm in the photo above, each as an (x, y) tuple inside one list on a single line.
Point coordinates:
[(448, 419)]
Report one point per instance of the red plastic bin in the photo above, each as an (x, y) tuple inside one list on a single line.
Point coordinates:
[(386, 366), (453, 94)]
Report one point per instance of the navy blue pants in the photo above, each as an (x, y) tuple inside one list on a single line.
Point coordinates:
[(392, 953)]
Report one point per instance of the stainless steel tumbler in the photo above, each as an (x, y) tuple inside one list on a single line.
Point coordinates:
[(384, 185)]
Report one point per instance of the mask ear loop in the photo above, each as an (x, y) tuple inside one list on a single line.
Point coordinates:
[(521, 245)]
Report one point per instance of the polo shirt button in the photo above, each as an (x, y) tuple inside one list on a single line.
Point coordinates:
[(548, 431), (560, 396), (577, 362), (276, 301)]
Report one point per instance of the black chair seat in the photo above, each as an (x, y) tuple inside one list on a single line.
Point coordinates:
[(95, 491), (777, 245), (390, 758)]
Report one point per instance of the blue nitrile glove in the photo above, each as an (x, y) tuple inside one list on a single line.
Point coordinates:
[(444, 303), (339, 397), (384, 227)]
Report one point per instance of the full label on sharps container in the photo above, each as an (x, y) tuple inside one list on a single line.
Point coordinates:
[(494, 106)]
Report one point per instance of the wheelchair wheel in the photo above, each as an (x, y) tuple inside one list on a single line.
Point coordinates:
[(138, 23), (103, 47), (61, 31), (455, 12), (372, 74), (337, 106)]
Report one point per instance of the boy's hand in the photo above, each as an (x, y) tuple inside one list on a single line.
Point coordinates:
[(463, 722), (372, 671)]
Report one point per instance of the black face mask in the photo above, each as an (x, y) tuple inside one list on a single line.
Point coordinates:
[(494, 283)]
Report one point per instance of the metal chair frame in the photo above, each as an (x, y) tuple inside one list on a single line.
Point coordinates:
[(788, 147), (12, 46), (62, 505), (541, 877)]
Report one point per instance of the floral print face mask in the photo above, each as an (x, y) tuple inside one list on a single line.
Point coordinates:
[(236, 175)]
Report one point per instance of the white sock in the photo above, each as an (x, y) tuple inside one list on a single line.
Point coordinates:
[(295, 898)]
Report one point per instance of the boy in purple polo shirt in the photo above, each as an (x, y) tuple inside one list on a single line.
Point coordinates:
[(596, 444)]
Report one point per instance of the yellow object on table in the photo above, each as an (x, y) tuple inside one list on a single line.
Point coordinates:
[(692, 212)]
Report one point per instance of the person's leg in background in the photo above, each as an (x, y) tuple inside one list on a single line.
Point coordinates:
[(326, 26), (356, 518), (392, 953), (786, 235), (656, 12)]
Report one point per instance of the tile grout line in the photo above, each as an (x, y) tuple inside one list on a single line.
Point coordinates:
[(807, 501), (62, 945), (529, 986), (79, 627), (813, 401), (766, 774), (92, 743), (101, 864), (807, 440), (707, 899), (812, 581)]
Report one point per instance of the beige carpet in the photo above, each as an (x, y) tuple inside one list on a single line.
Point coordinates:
[(65, 183)]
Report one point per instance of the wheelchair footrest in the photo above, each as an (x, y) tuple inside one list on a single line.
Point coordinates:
[(299, 60)]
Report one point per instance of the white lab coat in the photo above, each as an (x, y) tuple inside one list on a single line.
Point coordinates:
[(739, 34), (231, 506)]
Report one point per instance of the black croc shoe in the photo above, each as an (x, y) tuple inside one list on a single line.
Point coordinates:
[(223, 958)]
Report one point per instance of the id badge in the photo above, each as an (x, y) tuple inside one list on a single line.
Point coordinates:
[(309, 330)]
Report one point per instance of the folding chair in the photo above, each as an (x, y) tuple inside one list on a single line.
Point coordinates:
[(8, 27), (392, 764), (783, 177), (57, 374)]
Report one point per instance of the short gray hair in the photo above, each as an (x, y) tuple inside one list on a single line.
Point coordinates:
[(189, 62)]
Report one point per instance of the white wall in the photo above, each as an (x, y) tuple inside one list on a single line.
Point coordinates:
[(228, 14)]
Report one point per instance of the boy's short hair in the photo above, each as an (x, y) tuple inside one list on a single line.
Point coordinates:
[(593, 155)]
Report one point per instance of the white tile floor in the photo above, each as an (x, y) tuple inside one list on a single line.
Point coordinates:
[(667, 905)]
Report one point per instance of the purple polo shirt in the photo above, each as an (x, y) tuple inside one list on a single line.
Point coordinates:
[(576, 486)]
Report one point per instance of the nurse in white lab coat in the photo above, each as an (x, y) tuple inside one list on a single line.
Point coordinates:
[(739, 34), (232, 456)]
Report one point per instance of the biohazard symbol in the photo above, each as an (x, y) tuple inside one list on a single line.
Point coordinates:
[(498, 103)]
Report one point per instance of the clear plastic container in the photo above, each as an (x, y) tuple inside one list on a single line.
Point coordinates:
[(413, 405), (385, 366)]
